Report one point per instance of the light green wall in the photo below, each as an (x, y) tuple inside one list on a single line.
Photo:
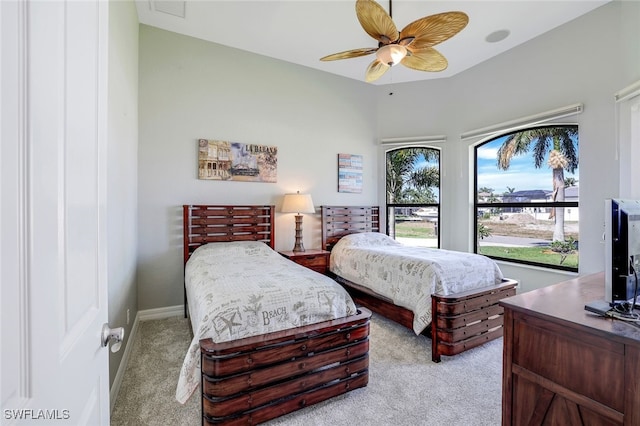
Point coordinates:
[(122, 166), (191, 89), (572, 64)]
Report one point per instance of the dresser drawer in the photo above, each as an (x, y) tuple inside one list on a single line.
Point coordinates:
[(318, 260), (312, 261)]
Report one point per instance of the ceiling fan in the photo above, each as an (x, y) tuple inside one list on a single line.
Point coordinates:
[(412, 47)]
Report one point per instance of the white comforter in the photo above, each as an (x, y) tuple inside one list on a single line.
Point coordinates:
[(241, 289), (409, 275)]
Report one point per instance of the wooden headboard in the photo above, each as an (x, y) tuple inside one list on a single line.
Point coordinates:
[(204, 224), (338, 221)]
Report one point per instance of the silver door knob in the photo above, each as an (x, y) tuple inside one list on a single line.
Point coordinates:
[(113, 335)]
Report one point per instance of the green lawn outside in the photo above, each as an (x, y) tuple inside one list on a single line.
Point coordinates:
[(533, 254), (415, 229), (543, 255)]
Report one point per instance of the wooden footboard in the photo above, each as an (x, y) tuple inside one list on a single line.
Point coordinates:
[(459, 321), (465, 320), (256, 379)]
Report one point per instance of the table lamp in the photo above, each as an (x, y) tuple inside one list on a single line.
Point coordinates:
[(298, 203)]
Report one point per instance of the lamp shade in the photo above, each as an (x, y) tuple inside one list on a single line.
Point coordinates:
[(297, 203)]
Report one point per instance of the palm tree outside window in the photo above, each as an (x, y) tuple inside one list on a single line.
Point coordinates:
[(413, 195), (527, 197)]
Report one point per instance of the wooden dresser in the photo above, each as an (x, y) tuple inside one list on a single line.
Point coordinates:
[(565, 366)]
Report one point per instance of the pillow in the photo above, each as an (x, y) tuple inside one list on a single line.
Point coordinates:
[(233, 249), (367, 239)]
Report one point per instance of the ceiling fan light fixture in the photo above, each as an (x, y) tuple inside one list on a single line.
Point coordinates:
[(413, 46), (391, 54)]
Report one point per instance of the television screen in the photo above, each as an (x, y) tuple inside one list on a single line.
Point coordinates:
[(622, 249)]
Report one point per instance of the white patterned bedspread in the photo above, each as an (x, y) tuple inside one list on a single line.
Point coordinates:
[(241, 289), (409, 275)]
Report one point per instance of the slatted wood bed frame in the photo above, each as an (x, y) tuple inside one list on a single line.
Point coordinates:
[(255, 379), (460, 321)]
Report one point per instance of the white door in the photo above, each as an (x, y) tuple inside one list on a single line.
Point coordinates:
[(52, 162)]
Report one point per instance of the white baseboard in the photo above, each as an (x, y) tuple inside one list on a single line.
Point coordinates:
[(145, 315), (117, 381), (161, 313)]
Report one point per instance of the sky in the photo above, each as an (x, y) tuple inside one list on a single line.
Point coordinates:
[(521, 175)]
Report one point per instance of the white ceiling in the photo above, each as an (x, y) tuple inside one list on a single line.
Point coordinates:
[(303, 31)]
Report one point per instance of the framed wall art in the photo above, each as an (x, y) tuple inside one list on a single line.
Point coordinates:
[(224, 160), (349, 173)]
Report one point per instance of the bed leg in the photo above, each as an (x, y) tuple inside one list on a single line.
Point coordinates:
[(435, 355), (185, 300)]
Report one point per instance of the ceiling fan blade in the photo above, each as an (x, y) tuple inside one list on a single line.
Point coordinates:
[(375, 70), (376, 21), (349, 54), (434, 29), (427, 59)]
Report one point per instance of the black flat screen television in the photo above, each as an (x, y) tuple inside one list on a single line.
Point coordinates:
[(622, 250)]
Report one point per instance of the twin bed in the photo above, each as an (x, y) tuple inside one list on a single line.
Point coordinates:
[(275, 337), (270, 336), (451, 296)]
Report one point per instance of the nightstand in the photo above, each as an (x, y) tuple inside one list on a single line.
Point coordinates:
[(318, 260)]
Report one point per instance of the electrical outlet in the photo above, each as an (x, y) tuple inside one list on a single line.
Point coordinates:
[(128, 312)]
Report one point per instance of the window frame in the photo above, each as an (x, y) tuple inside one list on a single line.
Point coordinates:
[(389, 206), (501, 205)]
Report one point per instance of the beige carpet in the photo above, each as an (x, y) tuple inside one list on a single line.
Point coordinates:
[(405, 387)]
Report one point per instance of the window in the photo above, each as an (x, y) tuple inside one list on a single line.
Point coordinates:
[(413, 195), (527, 193)]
